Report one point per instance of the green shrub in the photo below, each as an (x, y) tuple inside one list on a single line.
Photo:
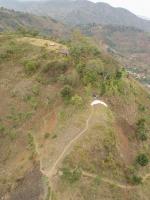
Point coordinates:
[(2, 129), (31, 145), (32, 100), (73, 79), (135, 180), (97, 180), (77, 101), (80, 67), (27, 32), (83, 50), (91, 71), (142, 159), (142, 135), (12, 134), (47, 135), (18, 117), (71, 176), (120, 73), (62, 79), (67, 92), (36, 90), (141, 108), (30, 66), (56, 67), (141, 129)]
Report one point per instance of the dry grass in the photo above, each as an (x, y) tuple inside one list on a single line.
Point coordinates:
[(49, 45)]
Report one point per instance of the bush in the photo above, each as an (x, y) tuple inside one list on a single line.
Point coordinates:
[(81, 68), (142, 135), (71, 176), (77, 101), (47, 135), (30, 66), (32, 100), (56, 67), (67, 92), (12, 135), (120, 73), (83, 49), (91, 72), (135, 180), (141, 130), (2, 128), (35, 90), (142, 160)]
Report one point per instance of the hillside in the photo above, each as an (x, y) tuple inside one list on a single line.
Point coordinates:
[(47, 89), (130, 46), (79, 12), (12, 21)]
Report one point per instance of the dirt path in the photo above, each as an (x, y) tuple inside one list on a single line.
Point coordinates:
[(147, 176), (62, 155), (111, 182), (53, 170), (54, 167)]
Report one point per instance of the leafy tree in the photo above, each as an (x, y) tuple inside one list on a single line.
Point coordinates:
[(67, 92), (142, 159), (91, 71), (120, 73), (83, 49)]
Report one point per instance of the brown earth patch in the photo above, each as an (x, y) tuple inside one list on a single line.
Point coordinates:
[(29, 187), (125, 132)]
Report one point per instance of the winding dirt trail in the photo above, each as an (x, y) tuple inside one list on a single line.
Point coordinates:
[(53, 170), (70, 144), (54, 167), (111, 182)]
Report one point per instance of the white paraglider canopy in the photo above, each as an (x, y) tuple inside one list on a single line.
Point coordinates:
[(95, 102)]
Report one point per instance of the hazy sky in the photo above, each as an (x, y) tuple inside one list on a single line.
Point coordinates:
[(139, 7)]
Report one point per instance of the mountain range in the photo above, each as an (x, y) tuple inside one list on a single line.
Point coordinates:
[(79, 12)]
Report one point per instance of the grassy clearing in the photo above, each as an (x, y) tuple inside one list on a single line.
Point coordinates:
[(49, 45)]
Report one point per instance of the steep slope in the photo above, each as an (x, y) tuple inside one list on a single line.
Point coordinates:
[(130, 46), (12, 21), (79, 12), (46, 91)]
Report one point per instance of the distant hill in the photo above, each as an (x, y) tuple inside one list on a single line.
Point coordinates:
[(80, 12), (11, 20)]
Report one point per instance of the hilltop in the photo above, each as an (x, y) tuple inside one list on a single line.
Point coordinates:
[(80, 12), (47, 89)]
